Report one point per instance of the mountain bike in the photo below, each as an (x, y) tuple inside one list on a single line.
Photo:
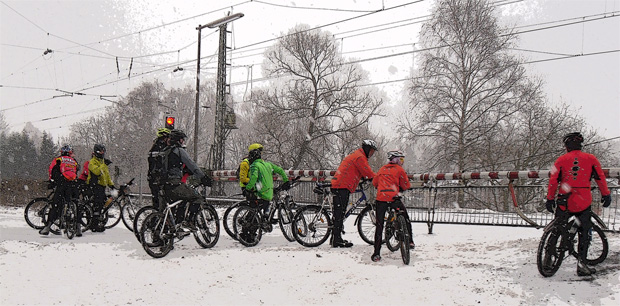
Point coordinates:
[(129, 208), (37, 211), (67, 221), (160, 229), (313, 224), (397, 235), (248, 225), (228, 216), (560, 237)]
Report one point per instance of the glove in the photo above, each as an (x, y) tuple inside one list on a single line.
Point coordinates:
[(246, 193), (550, 205), (286, 185), (107, 161), (206, 180), (606, 200), (51, 184)]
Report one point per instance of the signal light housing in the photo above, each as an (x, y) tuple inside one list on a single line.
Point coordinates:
[(170, 123)]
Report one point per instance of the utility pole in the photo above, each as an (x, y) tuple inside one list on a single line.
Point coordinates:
[(222, 125), (221, 23)]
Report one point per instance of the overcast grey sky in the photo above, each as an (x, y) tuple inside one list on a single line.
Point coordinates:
[(103, 49)]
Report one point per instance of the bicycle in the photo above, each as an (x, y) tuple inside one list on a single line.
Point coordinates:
[(67, 220), (37, 211), (313, 224), (248, 224), (559, 238), (228, 216), (159, 229), (397, 235)]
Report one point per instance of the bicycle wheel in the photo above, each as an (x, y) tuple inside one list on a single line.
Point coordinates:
[(366, 224), (247, 222), (403, 237), (550, 254), (391, 240), (35, 212), (156, 235), (85, 215), (70, 219), (285, 219), (599, 247), (208, 226), (128, 212), (139, 219), (312, 226), (227, 219), (113, 216)]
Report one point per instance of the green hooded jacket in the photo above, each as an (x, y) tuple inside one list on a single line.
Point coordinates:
[(261, 178)]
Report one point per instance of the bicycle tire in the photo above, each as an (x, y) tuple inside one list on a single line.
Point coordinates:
[(35, 211), (227, 219), (599, 247), (139, 219), (285, 219), (128, 212), (403, 237), (550, 254), (391, 240), (113, 215), (247, 219), (208, 225), (312, 226), (156, 235), (70, 218), (367, 224), (85, 215)]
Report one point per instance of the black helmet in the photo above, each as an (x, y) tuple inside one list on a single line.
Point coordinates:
[(573, 141), (66, 150), (254, 155), (176, 135), (99, 150)]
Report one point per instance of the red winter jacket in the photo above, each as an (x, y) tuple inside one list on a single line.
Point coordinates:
[(390, 179), (351, 170), (572, 172), (67, 165), (84, 174)]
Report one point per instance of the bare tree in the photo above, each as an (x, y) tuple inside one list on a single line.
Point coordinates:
[(315, 101), (469, 85)]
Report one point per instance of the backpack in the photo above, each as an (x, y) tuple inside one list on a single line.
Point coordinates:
[(158, 165)]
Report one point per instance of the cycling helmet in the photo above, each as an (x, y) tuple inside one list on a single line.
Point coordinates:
[(163, 132), (66, 150), (573, 141), (99, 150), (255, 146), (176, 135), (254, 155), (369, 144), (395, 157)]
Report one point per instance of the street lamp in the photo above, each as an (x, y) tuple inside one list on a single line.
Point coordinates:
[(221, 23)]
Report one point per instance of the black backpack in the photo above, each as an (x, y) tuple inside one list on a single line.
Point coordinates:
[(158, 165)]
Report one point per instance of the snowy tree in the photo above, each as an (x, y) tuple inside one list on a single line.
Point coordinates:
[(315, 100), (468, 86)]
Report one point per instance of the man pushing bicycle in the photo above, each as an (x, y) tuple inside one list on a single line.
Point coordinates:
[(572, 173)]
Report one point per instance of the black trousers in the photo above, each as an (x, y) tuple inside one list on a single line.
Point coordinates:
[(341, 199), (188, 195), (65, 191), (382, 208), (585, 230)]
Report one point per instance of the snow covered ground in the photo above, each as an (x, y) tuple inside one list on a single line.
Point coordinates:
[(456, 265)]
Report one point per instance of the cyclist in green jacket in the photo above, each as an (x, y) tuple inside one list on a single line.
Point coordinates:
[(261, 179)]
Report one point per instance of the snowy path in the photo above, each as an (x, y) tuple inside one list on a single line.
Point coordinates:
[(457, 265)]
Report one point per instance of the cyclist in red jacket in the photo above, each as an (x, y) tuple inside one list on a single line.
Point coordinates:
[(390, 180), (572, 173), (62, 175), (351, 170)]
